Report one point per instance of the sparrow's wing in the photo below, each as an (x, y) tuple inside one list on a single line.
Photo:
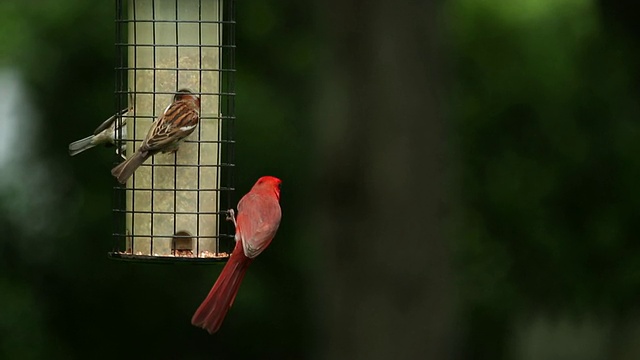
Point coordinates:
[(109, 122), (177, 122)]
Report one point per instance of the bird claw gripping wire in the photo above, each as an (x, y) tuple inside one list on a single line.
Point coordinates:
[(231, 215)]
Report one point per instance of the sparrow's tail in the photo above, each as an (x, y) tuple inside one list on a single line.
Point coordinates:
[(213, 309), (124, 170), (81, 145)]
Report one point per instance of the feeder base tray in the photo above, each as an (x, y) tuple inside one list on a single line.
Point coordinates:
[(218, 258)]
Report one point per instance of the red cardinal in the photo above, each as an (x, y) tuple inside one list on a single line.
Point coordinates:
[(258, 220)]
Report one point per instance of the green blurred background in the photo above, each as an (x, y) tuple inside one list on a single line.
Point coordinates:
[(541, 101)]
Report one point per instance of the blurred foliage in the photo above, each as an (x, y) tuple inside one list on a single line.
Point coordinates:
[(545, 110)]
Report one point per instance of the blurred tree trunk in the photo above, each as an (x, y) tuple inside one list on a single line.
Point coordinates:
[(387, 287)]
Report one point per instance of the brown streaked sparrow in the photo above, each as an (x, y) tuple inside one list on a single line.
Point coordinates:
[(177, 122)]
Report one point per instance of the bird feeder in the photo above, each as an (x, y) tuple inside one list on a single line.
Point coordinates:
[(174, 207)]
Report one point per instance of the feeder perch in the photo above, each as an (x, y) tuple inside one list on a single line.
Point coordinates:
[(174, 207)]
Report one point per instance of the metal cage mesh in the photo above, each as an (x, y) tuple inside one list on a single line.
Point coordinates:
[(174, 207)]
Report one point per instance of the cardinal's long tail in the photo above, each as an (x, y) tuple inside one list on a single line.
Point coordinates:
[(123, 171), (81, 145), (213, 309)]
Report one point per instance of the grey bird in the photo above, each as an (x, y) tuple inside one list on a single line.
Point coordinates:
[(105, 134)]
